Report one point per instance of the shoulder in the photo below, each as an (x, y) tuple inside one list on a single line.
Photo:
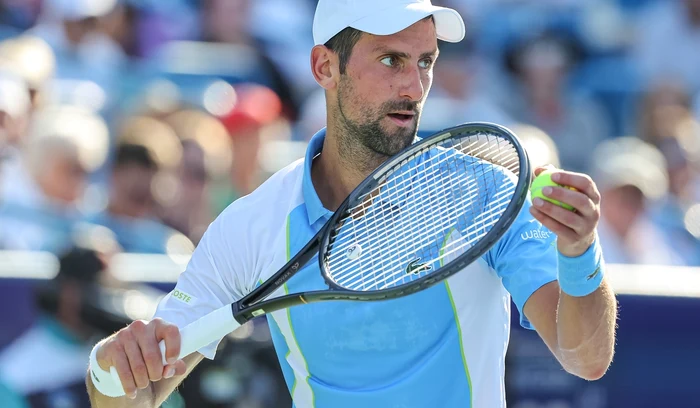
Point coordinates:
[(271, 199), (261, 214)]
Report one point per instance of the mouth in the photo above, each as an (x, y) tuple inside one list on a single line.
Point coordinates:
[(402, 118)]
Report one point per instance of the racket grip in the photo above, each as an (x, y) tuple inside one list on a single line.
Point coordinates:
[(204, 331), (193, 337)]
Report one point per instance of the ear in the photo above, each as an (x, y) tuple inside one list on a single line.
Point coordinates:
[(324, 66)]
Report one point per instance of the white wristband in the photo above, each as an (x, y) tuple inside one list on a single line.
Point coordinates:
[(106, 382)]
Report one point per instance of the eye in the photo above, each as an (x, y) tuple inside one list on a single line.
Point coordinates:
[(425, 63), (389, 61)]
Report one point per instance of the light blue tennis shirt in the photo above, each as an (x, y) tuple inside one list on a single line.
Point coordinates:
[(443, 347)]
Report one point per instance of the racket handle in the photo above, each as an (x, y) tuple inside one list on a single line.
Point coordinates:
[(204, 331), (193, 337)]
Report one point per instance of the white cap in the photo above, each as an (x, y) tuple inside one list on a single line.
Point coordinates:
[(629, 161), (383, 17), (74, 10), (14, 95)]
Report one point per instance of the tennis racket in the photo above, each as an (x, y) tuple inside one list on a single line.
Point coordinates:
[(419, 218)]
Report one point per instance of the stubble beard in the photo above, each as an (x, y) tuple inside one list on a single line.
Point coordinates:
[(366, 144)]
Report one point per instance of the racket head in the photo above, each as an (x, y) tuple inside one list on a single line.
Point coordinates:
[(380, 258)]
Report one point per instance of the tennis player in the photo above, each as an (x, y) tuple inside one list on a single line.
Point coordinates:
[(375, 59)]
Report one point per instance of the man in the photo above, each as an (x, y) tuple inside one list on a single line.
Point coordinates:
[(42, 187), (60, 338), (394, 353), (131, 207)]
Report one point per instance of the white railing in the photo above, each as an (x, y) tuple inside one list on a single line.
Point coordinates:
[(645, 280)]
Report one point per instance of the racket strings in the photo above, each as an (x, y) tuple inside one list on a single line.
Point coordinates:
[(402, 227), (404, 184), (369, 199), (475, 230), (448, 191)]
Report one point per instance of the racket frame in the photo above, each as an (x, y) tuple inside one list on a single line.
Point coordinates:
[(253, 304)]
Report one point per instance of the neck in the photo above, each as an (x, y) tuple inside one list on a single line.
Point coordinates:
[(341, 167)]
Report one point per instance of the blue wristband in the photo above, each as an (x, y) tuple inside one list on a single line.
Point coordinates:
[(582, 275)]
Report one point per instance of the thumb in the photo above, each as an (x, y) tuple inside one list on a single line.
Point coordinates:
[(540, 169)]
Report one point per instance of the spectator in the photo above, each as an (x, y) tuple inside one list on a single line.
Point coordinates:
[(32, 59), (631, 175), (45, 366), (227, 21), (14, 114), (192, 213), (663, 107), (667, 46), (42, 192), (59, 342), (131, 207), (461, 91), (541, 98), (70, 27)]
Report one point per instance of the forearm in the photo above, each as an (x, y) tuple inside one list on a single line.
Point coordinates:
[(586, 332)]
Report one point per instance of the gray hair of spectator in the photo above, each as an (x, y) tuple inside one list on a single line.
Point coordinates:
[(344, 42), (39, 152)]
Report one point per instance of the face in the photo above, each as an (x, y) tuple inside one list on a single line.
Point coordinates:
[(131, 187), (622, 207), (380, 97), (63, 179), (227, 20)]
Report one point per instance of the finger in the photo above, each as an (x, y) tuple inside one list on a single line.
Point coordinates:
[(121, 363), (581, 182), (561, 230), (567, 218), (178, 368), (581, 202), (150, 352), (133, 354), (171, 335)]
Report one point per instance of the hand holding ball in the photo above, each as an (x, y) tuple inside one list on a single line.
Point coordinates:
[(543, 180)]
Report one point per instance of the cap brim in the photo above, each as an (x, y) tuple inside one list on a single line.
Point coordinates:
[(449, 25)]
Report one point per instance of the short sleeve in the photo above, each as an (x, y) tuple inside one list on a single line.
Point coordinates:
[(525, 258), (214, 277)]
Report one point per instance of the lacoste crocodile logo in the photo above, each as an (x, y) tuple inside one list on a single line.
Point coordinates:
[(415, 267)]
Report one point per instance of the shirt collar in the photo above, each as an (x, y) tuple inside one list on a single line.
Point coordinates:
[(314, 208)]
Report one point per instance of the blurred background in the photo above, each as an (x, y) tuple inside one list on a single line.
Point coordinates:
[(126, 126)]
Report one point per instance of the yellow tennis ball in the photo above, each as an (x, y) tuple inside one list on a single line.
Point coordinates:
[(545, 180)]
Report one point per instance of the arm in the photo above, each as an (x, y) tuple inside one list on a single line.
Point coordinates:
[(214, 277), (579, 330)]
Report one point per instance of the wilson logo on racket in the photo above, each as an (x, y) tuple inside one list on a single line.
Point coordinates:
[(415, 267)]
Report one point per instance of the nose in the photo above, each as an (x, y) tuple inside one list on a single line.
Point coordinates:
[(412, 85)]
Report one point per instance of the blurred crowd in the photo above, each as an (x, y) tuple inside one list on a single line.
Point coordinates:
[(143, 119)]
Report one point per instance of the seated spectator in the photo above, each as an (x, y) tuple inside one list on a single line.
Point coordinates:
[(14, 113), (43, 189), (45, 366), (59, 342), (71, 28), (462, 91), (33, 60), (541, 98), (668, 34), (631, 175), (131, 206)]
